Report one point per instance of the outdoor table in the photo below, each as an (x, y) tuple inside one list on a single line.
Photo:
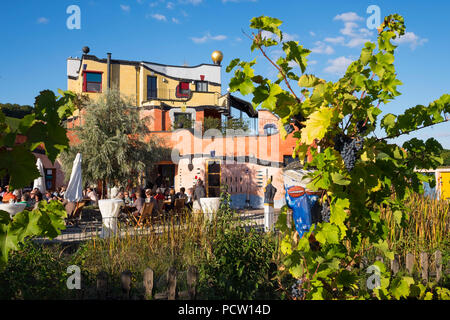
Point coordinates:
[(210, 206), (109, 209), (13, 208)]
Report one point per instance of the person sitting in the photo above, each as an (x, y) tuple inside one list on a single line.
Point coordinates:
[(120, 196), (190, 199), (48, 196), (138, 204), (8, 196), (92, 195), (26, 199), (182, 194), (37, 198), (159, 194), (127, 199), (172, 198)]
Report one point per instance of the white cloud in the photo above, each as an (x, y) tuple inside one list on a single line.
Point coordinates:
[(338, 65), (321, 47), (208, 37), (312, 33), (157, 16), (337, 40), (411, 39), (42, 20), (170, 5), (349, 29), (312, 62), (357, 35), (355, 42), (348, 16), (153, 4), (125, 7), (175, 20)]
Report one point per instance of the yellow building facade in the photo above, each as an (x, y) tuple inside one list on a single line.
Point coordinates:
[(166, 94)]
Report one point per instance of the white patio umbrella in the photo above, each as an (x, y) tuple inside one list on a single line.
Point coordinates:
[(40, 182), (74, 191)]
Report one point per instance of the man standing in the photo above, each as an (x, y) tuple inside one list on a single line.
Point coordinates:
[(269, 194), (199, 192)]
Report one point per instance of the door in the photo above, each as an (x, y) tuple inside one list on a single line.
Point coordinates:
[(445, 185), (213, 178)]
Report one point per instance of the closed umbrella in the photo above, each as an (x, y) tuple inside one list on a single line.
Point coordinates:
[(74, 191), (40, 182)]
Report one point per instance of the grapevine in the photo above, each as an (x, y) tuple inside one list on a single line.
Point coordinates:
[(358, 171)]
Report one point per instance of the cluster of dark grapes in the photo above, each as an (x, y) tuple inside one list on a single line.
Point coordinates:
[(348, 148), (325, 212)]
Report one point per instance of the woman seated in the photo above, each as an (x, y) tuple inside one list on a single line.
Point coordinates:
[(171, 197), (138, 204)]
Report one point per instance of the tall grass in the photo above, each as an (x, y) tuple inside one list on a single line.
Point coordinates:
[(173, 241), (427, 227)]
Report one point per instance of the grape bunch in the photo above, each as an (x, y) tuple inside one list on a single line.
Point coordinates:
[(348, 148), (325, 212), (296, 289)]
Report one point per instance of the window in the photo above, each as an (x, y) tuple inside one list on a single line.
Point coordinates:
[(50, 178), (92, 81), (270, 128), (182, 120), (183, 90), (201, 86), (151, 87), (213, 179)]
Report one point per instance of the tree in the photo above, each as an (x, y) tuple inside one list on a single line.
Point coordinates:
[(228, 124), (446, 157), (112, 141), (42, 126), (356, 172)]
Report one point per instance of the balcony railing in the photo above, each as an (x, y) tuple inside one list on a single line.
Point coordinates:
[(177, 95), (168, 94)]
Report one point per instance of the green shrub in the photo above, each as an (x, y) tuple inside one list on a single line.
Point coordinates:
[(35, 272), (239, 265)]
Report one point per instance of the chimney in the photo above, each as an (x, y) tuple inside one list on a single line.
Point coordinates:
[(108, 66)]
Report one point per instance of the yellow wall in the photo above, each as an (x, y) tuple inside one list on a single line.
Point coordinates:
[(126, 78)]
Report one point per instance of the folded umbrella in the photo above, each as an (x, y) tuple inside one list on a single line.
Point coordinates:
[(74, 191), (40, 182)]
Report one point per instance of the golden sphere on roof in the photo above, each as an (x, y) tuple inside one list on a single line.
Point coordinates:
[(217, 57)]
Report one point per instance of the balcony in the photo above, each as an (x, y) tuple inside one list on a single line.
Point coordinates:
[(194, 97)]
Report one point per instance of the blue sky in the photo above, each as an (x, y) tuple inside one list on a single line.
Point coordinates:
[(36, 41)]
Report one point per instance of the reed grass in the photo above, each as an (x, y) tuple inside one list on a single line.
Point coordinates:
[(427, 227), (175, 240)]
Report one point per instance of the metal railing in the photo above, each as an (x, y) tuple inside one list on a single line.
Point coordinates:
[(92, 225)]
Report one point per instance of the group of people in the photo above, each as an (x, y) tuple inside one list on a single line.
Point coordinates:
[(30, 198), (136, 200)]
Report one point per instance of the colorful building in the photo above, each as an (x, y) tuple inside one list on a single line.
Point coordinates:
[(180, 99)]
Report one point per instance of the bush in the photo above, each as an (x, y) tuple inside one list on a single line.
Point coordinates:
[(35, 272), (239, 264)]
